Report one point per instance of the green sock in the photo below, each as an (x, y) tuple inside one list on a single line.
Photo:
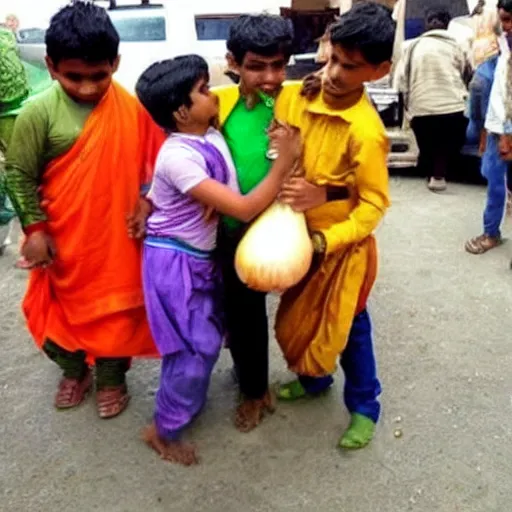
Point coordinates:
[(359, 433)]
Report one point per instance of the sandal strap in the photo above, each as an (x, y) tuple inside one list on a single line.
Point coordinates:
[(481, 244)]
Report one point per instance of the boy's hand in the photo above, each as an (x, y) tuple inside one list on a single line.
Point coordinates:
[(302, 195), (287, 140), (482, 144), (136, 221), (38, 250), (505, 147)]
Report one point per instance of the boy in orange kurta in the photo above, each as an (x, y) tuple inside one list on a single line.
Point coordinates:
[(84, 150), (345, 145)]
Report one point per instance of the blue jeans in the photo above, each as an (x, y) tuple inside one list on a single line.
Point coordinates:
[(362, 386), (494, 170)]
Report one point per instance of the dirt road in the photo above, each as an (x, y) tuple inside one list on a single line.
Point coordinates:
[(442, 329)]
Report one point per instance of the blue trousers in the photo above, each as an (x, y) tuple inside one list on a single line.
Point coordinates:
[(362, 386), (494, 170)]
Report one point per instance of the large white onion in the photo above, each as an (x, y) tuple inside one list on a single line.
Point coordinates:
[(276, 252)]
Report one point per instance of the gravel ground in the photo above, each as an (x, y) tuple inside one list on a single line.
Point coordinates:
[(442, 446)]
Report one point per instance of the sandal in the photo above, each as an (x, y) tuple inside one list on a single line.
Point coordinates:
[(112, 401), (72, 392), (483, 243)]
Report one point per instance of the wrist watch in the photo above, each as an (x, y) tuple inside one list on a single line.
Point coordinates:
[(319, 242)]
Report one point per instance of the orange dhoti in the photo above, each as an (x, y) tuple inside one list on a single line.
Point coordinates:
[(315, 317), (91, 297)]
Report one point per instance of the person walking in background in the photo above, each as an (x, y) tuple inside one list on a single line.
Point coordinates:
[(494, 168), (434, 75), (14, 89)]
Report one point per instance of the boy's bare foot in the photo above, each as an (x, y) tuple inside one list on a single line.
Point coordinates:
[(172, 451), (250, 413)]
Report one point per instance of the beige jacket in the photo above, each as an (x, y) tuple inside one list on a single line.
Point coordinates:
[(433, 75)]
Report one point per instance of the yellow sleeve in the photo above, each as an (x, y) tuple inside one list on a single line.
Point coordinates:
[(228, 96), (369, 157), (289, 104)]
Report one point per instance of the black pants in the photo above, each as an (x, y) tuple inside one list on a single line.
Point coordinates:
[(246, 322), (440, 139), (109, 372)]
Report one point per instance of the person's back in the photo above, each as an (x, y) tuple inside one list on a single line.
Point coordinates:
[(437, 64), (80, 156), (433, 79)]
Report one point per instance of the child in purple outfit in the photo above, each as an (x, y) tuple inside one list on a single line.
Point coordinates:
[(194, 181)]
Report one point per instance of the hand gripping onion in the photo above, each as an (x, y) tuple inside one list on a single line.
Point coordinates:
[(276, 252)]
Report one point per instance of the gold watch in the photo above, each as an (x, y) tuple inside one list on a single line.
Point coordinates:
[(319, 242)]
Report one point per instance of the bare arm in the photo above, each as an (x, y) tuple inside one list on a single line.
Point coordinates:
[(228, 202), (224, 200)]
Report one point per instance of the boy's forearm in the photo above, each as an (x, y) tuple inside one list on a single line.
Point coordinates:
[(23, 193), (361, 223)]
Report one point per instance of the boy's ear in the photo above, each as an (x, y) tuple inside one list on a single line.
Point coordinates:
[(382, 70), (115, 66), (232, 64), (51, 66), (181, 115)]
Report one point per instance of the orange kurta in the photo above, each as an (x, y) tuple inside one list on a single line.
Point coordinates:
[(91, 297)]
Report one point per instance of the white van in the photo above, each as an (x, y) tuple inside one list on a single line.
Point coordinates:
[(150, 33)]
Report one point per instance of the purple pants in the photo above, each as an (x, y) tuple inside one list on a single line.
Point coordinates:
[(182, 292)]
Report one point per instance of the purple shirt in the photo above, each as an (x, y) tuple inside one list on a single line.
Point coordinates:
[(180, 166)]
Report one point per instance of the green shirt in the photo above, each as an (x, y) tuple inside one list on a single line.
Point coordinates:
[(46, 128), (245, 131)]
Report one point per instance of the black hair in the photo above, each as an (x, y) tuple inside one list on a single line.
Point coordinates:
[(82, 31), (506, 5), (369, 28), (166, 86), (479, 8), (262, 34), (437, 18)]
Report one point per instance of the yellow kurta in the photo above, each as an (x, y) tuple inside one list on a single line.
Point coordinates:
[(341, 148)]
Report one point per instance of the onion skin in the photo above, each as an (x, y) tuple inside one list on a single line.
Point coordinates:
[(276, 252)]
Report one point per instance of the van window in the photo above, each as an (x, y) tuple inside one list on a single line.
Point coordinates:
[(129, 29), (213, 27), (140, 29), (31, 36)]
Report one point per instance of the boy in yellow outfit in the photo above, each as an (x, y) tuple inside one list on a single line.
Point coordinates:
[(345, 145)]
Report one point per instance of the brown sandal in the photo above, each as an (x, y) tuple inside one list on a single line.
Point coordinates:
[(112, 401), (481, 244), (72, 392)]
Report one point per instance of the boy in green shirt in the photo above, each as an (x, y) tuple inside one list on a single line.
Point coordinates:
[(259, 47)]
